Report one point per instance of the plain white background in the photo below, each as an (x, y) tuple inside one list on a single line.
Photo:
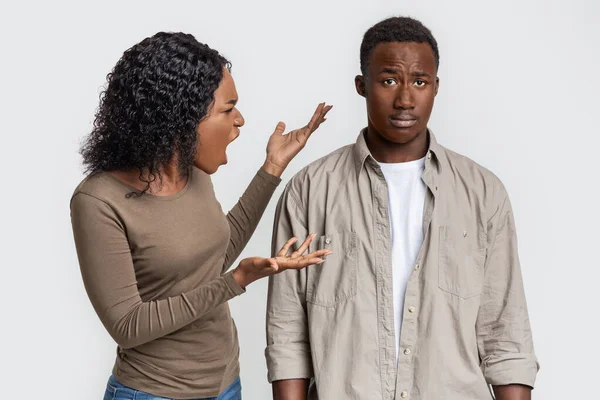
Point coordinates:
[(518, 94)]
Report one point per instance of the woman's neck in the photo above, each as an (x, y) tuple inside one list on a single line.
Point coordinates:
[(170, 182)]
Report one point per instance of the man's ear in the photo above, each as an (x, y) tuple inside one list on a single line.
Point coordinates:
[(359, 82), (437, 85)]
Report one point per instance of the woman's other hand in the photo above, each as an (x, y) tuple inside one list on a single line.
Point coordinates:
[(254, 268)]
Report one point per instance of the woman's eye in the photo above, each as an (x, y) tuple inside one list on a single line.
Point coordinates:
[(230, 110)]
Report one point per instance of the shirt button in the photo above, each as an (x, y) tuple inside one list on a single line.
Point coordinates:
[(407, 351), (411, 309), (416, 267), (404, 395), (429, 155), (328, 241)]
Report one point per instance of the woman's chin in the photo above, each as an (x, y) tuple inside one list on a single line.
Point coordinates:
[(209, 169)]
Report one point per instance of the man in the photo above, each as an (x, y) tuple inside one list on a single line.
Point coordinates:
[(422, 297)]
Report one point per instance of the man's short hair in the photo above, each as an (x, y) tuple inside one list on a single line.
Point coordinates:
[(396, 29)]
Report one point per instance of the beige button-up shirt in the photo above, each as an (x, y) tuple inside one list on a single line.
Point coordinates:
[(465, 324)]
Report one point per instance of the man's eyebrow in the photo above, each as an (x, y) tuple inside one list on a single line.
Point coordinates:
[(388, 70), (421, 74)]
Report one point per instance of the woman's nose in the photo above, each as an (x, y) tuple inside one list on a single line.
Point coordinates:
[(239, 121)]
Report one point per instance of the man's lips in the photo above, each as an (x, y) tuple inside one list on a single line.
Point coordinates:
[(403, 121)]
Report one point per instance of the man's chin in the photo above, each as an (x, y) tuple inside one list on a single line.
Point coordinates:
[(400, 136)]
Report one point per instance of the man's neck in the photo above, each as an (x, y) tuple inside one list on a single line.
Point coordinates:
[(388, 152)]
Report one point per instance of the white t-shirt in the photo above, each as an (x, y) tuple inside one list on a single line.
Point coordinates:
[(406, 201)]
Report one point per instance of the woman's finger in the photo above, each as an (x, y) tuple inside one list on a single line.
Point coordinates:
[(280, 128), (325, 111), (299, 263), (313, 123), (319, 253), (286, 247), (314, 126), (273, 265), (304, 246)]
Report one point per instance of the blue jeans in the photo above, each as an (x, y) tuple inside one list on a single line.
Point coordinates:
[(116, 391)]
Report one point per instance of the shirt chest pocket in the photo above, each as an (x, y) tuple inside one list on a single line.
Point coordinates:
[(334, 281), (461, 262)]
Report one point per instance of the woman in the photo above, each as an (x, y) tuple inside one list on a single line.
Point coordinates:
[(153, 244)]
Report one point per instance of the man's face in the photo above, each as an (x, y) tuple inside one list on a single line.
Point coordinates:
[(400, 87)]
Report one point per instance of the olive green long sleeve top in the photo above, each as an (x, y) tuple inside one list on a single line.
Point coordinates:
[(155, 270)]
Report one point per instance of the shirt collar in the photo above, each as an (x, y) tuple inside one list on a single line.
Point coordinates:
[(435, 152)]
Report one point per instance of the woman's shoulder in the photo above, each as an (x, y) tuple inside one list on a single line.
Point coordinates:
[(102, 186)]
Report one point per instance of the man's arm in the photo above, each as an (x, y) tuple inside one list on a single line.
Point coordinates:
[(503, 332), (290, 389), (289, 361), (512, 392)]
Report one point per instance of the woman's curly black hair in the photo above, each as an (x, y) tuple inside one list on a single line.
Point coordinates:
[(156, 95)]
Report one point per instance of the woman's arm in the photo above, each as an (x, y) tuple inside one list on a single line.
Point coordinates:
[(245, 215)]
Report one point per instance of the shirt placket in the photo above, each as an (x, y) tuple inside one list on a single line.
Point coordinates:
[(383, 259), (408, 334)]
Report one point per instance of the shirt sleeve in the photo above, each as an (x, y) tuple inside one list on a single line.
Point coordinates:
[(503, 330), (109, 278), (246, 214), (288, 347)]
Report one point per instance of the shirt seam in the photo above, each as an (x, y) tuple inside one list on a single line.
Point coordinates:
[(96, 198), (116, 215), (298, 205)]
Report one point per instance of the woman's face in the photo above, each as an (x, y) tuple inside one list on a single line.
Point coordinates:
[(219, 128)]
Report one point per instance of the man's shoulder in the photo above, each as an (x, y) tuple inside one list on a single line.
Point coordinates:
[(337, 162), (465, 169)]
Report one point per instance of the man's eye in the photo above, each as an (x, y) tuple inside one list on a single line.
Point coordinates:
[(389, 82), (420, 83)]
